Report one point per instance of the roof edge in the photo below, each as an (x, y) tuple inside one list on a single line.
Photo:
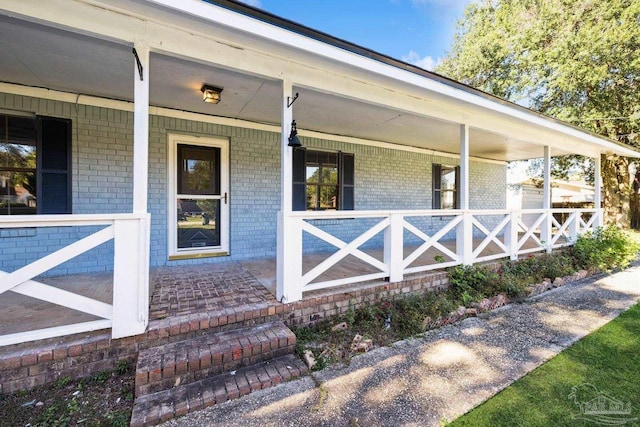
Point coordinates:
[(300, 29)]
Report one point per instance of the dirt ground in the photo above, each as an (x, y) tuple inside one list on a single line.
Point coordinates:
[(106, 399)]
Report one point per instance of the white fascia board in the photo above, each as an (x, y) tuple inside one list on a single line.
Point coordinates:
[(115, 104), (242, 23)]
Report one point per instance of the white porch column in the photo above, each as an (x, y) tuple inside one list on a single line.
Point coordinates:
[(289, 261), (464, 230), (597, 196), (132, 238), (141, 129), (286, 160), (545, 228), (464, 167)]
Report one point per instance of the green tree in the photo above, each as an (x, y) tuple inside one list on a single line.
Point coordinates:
[(575, 60)]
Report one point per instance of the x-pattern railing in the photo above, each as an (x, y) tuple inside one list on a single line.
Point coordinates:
[(129, 312), (431, 242), (345, 249), (506, 231)]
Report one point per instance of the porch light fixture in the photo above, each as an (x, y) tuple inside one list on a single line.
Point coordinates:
[(294, 141), (211, 94)]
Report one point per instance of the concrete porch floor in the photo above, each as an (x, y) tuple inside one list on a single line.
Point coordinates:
[(184, 290)]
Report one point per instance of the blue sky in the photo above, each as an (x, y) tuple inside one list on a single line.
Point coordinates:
[(416, 31)]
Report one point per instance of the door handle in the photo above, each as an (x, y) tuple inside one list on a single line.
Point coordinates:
[(225, 198)]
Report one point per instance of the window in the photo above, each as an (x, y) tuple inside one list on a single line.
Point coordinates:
[(445, 186), (322, 180), (35, 171)]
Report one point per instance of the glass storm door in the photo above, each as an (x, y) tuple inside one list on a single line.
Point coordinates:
[(200, 200)]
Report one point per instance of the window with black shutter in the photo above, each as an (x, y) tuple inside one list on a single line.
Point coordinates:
[(322, 180), (445, 186), (35, 165)]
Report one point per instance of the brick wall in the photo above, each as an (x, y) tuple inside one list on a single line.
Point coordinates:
[(102, 183)]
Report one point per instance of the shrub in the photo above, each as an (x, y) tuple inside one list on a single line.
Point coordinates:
[(536, 268), (604, 249), (468, 283)]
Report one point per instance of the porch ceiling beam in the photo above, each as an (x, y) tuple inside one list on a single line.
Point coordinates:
[(426, 97)]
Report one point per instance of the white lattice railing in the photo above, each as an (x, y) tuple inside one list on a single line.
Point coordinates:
[(128, 313), (458, 237)]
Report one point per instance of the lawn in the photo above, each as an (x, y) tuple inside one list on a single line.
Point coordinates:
[(608, 359)]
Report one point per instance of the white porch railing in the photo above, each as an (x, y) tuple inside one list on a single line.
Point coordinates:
[(458, 237), (128, 313)]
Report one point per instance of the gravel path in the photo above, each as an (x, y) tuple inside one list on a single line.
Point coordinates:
[(425, 381)]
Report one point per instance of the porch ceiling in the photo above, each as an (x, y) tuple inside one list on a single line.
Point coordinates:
[(53, 58)]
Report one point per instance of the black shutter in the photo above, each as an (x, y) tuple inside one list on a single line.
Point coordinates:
[(54, 166), (457, 195), (299, 191), (347, 184), (436, 181)]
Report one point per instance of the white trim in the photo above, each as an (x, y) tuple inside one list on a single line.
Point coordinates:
[(94, 101), (41, 334), (173, 140)]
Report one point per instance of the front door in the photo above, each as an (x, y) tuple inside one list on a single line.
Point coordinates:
[(198, 197)]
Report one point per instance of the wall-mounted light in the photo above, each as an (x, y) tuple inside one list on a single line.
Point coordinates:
[(294, 141), (211, 94)]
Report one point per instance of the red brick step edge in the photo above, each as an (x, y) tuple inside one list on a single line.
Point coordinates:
[(161, 406)]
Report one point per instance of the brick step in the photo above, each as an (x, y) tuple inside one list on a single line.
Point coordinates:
[(161, 406), (182, 362)]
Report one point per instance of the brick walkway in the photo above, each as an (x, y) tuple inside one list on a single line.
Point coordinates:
[(190, 289)]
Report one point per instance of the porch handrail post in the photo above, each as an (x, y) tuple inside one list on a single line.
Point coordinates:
[(289, 271), (545, 227), (130, 277), (464, 238), (394, 248), (511, 236), (574, 226)]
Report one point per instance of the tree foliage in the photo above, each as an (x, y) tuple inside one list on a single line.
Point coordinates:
[(575, 60)]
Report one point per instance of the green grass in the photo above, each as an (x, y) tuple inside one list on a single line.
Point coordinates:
[(609, 359)]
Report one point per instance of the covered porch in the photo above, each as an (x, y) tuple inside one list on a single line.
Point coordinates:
[(152, 58)]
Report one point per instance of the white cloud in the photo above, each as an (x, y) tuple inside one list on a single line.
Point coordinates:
[(254, 3), (426, 62)]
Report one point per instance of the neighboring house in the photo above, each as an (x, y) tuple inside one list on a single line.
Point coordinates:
[(529, 195), (136, 171)]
